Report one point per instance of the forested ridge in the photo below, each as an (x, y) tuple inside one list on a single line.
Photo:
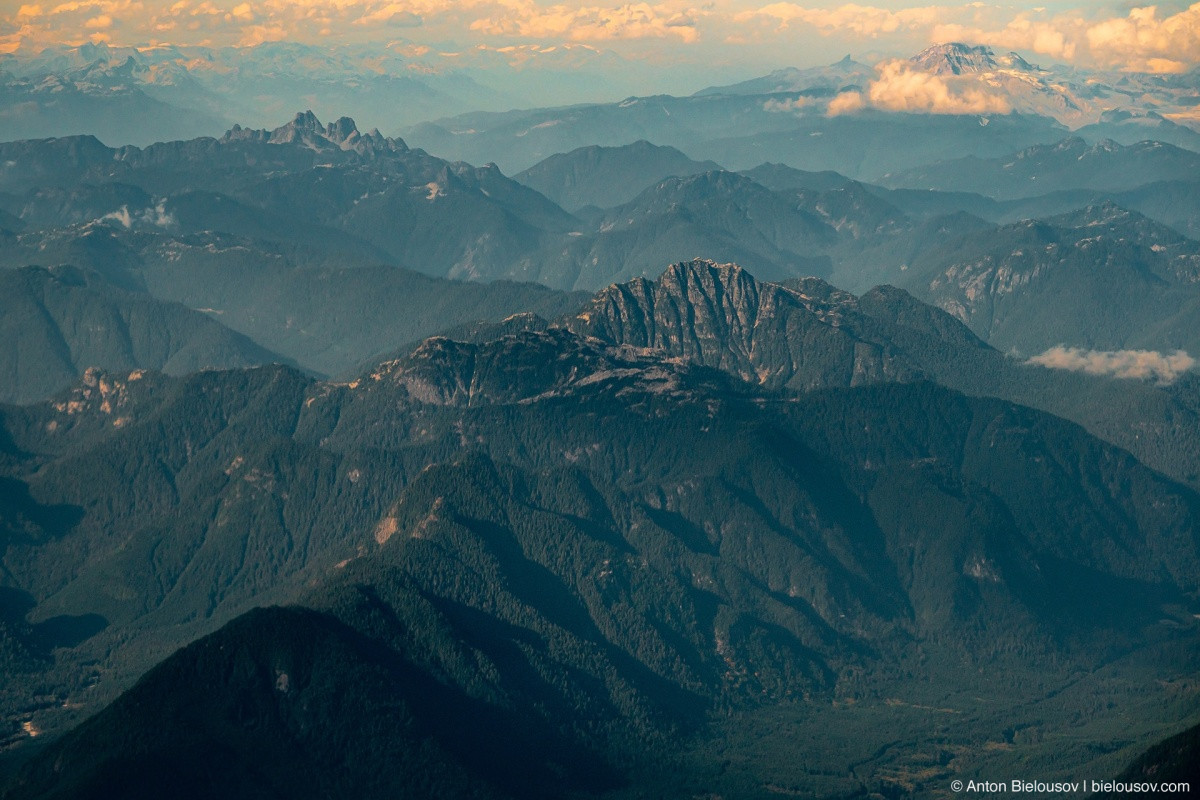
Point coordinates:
[(602, 557)]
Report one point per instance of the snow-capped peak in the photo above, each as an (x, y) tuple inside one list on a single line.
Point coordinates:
[(956, 58)]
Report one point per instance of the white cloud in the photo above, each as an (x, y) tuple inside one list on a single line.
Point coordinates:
[(1139, 364), (1055, 38), (797, 104), (392, 14), (122, 216), (846, 103), (1143, 40), (157, 216), (592, 23), (866, 22), (1151, 38), (899, 87)]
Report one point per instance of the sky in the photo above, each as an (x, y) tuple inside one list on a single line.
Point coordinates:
[(1123, 36)]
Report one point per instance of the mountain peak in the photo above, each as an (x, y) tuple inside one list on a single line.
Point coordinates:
[(701, 272), (304, 125), (718, 315), (342, 130), (306, 129), (956, 58)]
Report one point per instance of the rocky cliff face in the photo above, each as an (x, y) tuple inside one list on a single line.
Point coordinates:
[(537, 365), (718, 315)]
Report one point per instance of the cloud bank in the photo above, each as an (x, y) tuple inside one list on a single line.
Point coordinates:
[(901, 88), (1140, 364), (1144, 39), (528, 20), (1154, 38)]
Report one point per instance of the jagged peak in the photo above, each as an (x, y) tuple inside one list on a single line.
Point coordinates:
[(706, 268), (305, 128), (305, 122), (727, 281), (719, 315), (341, 130)]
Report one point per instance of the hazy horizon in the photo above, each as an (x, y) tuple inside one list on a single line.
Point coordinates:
[(724, 35)]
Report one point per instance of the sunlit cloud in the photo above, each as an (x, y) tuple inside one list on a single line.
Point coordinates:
[(1142, 39), (794, 104), (846, 103), (391, 14), (592, 23), (1152, 38), (857, 20), (900, 87), (1057, 39), (1139, 364)]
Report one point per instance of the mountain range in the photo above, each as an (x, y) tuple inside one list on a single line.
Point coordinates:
[(1119, 103), (142, 95), (727, 448), (1071, 164), (128, 95), (737, 131), (730, 554), (302, 237), (787, 115)]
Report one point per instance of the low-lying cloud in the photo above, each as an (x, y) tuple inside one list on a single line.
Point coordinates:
[(1139, 364), (797, 104), (157, 216), (902, 88)]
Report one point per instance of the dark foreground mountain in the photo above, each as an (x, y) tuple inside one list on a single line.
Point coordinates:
[(612, 562), (290, 702), (1172, 760)]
